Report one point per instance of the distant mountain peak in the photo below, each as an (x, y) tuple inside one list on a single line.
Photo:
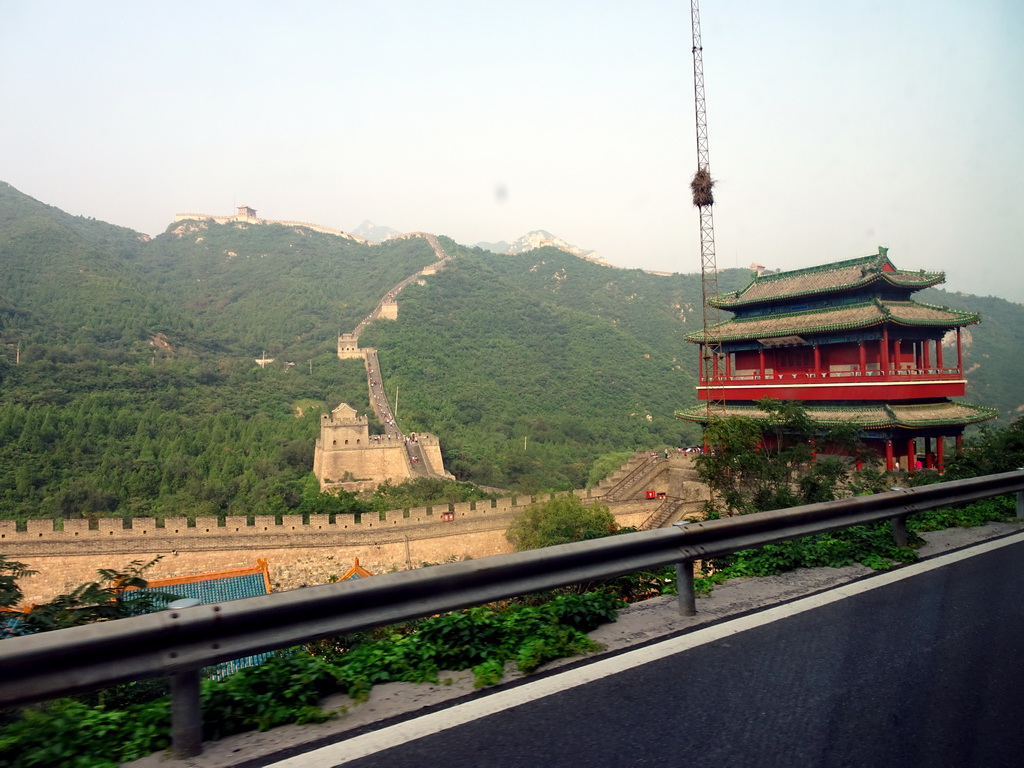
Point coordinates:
[(541, 238), (376, 233)]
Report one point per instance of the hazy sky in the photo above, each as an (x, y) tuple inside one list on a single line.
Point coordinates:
[(834, 126)]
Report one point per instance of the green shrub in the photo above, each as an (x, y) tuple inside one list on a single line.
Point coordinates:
[(289, 687)]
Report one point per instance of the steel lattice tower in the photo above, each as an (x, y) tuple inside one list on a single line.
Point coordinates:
[(711, 349)]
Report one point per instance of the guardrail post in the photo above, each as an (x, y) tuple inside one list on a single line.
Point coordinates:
[(899, 530), (186, 714), (684, 584)]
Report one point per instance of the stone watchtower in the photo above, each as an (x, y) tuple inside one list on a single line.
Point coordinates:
[(344, 435), (346, 456), (343, 427), (348, 346)]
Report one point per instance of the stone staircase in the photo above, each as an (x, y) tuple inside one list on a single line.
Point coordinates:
[(625, 482), (680, 490)]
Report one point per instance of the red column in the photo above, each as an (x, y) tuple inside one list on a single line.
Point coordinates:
[(817, 360), (885, 351), (896, 355), (911, 455), (939, 447), (959, 445), (728, 365), (760, 358), (938, 354), (714, 371), (888, 455), (925, 357), (863, 358)]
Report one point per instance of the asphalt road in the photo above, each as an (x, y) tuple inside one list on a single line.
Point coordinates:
[(925, 671)]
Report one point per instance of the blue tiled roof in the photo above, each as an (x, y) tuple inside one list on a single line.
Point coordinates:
[(214, 590), (209, 591), (11, 624), (206, 591)]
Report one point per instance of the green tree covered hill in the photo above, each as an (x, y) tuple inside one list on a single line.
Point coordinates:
[(992, 349), (531, 366), (137, 391)]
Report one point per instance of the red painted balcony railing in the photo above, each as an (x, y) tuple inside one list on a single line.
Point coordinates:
[(746, 379)]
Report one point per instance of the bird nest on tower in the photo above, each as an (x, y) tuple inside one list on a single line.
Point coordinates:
[(701, 187)]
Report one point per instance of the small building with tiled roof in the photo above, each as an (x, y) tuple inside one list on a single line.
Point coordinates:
[(848, 340), (219, 587)]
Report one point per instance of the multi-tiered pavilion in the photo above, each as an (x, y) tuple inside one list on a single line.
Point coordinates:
[(847, 340)]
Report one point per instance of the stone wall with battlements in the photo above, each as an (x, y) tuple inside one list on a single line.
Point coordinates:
[(247, 215), (430, 446), (300, 552)]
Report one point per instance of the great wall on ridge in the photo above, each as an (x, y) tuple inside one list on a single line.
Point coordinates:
[(647, 492)]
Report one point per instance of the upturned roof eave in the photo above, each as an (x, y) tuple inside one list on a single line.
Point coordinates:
[(956, 320), (875, 271), (698, 414)]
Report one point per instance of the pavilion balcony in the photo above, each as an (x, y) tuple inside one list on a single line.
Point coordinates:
[(901, 384)]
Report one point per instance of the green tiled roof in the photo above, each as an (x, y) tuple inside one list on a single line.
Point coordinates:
[(12, 624), (223, 586), (831, 319), (824, 279), (210, 591), (867, 416)]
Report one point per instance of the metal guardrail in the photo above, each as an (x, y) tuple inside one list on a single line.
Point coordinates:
[(179, 643)]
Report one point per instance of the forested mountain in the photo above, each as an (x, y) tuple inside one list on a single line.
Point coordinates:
[(284, 289), (137, 391), (208, 288), (543, 350), (993, 349)]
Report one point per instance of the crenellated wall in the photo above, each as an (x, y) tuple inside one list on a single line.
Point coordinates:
[(300, 553), (68, 553), (247, 215)]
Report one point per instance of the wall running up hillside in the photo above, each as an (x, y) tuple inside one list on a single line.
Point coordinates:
[(247, 215)]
